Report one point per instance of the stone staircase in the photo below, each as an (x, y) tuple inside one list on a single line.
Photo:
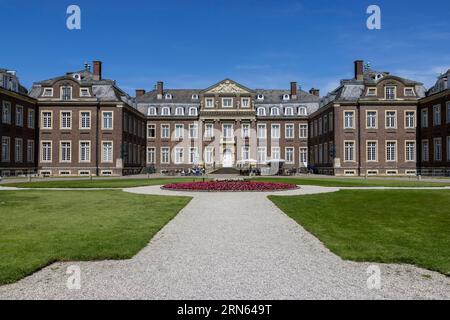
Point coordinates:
[(226, 171)]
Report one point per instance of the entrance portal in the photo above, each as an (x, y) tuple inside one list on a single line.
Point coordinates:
[(227, 161)]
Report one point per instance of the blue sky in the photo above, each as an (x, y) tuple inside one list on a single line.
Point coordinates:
[(193, 44)]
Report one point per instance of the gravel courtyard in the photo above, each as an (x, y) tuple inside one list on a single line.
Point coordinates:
[(231, 246)]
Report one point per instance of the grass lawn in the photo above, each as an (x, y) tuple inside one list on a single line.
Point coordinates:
[(395, 226), (99, 183), (40, 227), (343, 182)]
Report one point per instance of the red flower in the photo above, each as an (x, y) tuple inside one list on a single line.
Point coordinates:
[(230, 185)]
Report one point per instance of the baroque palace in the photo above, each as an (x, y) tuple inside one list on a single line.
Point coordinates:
[(79, 124)]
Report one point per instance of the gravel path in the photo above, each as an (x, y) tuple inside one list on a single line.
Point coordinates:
[(231, 246)]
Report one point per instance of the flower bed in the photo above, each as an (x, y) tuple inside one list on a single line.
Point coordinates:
[(229, 186)]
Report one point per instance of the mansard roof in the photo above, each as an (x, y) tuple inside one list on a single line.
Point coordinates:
[(441, 84), (177, 96)]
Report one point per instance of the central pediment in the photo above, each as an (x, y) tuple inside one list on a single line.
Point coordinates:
[(227, 86)]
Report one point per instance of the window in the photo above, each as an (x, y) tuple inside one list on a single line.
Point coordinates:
[(261, 129), (302, 111), (85, 151), (166, 111), (193, 131), (192, 111), (66, 93), (245, 153), (410, 151), (193, 155), (107, 120), (66, 120), (274, 111), (151, 131), (409, 92), (303, 156), (349, 151), (261, 111), (19, 116), (289, 155), (391, 119), (209, 155), (85, 120), (349, 119), (424, 114), (227, 130), (31, 118), (165, 131), (227, 102), (245, 102), (245, 130), (107, 151), (448, 148), (330, 121), (46, 151), (6, 112), (209, 102), (320, 121), (165, 155), (84, 92), (288, 111), (275, 153), (194, 96), (209, 130), (6, 149), (425, 151), (275, 131), (48, 92), (179, 111), (371, 117), (303, 131), (437, 115), (372, 151), (47, 119), (371, 92), (410, 119), (151, 111), (179, 155), (179, 131), (262, 155), (391, 151), (289, 131), (390, 93), (437, 149), (65, 151), (30, 150)]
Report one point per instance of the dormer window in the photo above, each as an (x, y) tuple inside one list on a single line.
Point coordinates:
[(48, 92), (390, 93), (409, 92), (151, 111), (288, 111), (195, 97), (274, 111), (179, 111), (302, 111), (168, 96), (286, 97), (84, 92), (261, 111), (192, 111), (165, 111), (66, 93), (371, 92), (260, 97)]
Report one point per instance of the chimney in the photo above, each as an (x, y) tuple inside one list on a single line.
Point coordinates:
[(159, 89), (293, 90), (97, 70), (359, 70), (140, 92), (315, 92)]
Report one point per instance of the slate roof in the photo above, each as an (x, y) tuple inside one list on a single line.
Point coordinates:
[(441, 84)]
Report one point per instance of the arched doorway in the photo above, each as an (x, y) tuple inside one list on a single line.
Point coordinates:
[(227, 161)]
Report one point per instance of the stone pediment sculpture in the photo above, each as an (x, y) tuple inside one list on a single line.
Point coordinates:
[(227, 86)]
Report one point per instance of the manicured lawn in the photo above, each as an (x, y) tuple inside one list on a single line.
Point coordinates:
[(41, 227), (394, 226), (343, 182), (99, 183)]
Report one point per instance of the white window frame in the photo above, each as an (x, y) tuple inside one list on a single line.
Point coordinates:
[(193, 125), (43, 154), (424, 118), (259, 131), (176, 159), (61, 121), (164, 125), (372, 92), (305, 130), (272, 131), (179, 111), (407, 125), (273, 113), (292, 149), (227, 99), (70, 153), (103, 120), (44, 95), (435, 153), (61, 93), (209, 102), (245, 130), (437, 115), (368, 159), (243, 104), (209, 130), (82, 127), (386, 96), (368, 124), (353, 154), (151, 153), (352, 118), (165, 151), (82, 95), (407, 158), (151, 125), (30, 151), (193, 151), (19, 120), (209, 151), (179, 133), (261, 112), (103, 154), (43, 112), (165, 111), (193, 111), (272, 151), (18, 150), (395, 153), (386, 119), (405, 90), (80, 153), (425, 150), (291, 136)]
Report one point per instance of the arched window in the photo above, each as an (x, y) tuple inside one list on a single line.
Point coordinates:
[(302, 111), (288, 111), (151, 111), (274, 111), (179, 111), (261, 111), (192, 111), (165, 111)]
